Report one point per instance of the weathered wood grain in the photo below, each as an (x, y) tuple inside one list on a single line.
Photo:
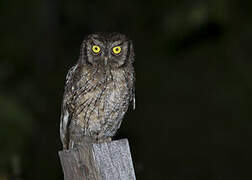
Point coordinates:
[(98, 161)]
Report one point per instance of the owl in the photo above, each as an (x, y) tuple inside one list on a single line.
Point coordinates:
[(98, 90)]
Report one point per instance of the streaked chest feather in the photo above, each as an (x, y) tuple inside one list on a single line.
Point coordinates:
[(101, 97)]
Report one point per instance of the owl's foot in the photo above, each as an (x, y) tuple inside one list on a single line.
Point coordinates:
[(103, 140), (108, 139)]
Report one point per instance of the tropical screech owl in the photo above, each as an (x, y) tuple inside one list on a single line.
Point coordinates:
[(98, 89)]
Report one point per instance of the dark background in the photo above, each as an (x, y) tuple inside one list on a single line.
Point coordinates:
[(193, 89)]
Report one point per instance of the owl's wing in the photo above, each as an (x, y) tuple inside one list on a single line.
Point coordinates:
[(133, 98), (66, 107)]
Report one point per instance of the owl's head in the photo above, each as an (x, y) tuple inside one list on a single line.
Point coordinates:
[(107, 50)]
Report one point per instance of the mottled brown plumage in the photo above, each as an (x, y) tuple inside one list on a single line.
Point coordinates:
[(98, 89)]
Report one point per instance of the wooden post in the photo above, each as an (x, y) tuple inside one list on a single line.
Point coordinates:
[(98, 161)]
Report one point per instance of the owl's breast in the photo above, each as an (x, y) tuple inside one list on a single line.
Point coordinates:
[(105, 102)]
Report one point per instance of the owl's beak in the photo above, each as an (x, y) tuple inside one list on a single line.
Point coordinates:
[(105, 60)]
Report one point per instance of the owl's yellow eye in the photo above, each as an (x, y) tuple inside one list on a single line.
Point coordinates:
[(117, 49), (96, 49)]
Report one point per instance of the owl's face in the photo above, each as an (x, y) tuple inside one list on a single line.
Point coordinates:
[(107, 49)]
